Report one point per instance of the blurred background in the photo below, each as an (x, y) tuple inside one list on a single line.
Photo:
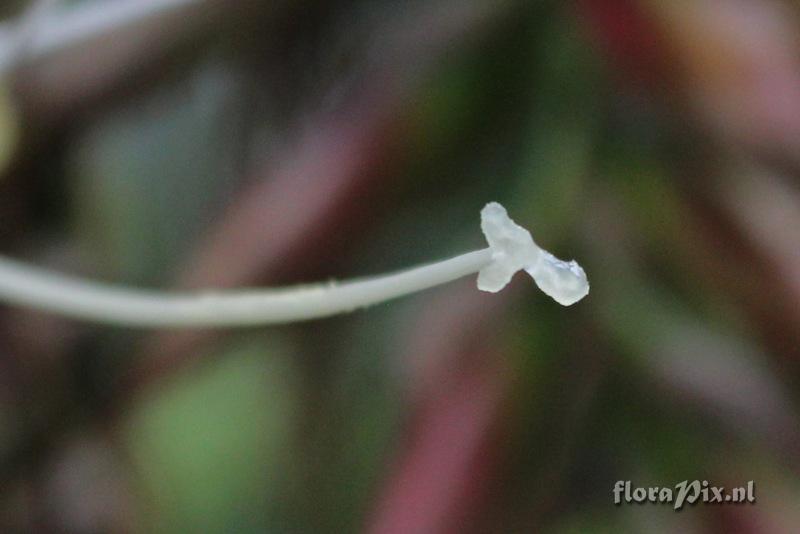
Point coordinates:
[(185, 144)]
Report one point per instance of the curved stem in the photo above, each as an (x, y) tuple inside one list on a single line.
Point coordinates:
[(511, 249), (32, 287)]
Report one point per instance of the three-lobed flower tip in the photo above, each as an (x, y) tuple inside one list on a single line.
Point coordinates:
[(513, 249)]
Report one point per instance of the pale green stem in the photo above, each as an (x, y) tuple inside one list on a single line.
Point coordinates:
[(32, 287), (511, 249)]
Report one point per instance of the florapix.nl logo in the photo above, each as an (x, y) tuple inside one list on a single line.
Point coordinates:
[(682, 493)]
